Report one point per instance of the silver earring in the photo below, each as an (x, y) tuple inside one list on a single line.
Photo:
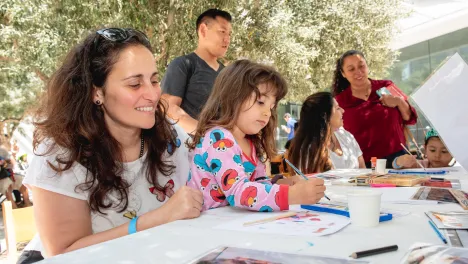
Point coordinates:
[(98, 102)]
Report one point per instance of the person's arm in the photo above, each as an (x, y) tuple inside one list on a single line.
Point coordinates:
[(174, 86), (175, 112), (402, 105), (404, 109), (64, 223), (362, 163), (407, 112), (405, 162), (355, 148), (286, 129)]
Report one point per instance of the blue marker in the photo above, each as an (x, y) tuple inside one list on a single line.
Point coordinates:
[(302, 174), (438, 232), (437, 172)]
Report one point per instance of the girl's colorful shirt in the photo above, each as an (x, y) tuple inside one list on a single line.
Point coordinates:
[(227, 176)]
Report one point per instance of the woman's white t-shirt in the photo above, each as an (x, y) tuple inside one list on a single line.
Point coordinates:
[(142, 196), (350, 148)]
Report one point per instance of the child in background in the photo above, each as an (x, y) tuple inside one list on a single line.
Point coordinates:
[(437, 154), (235, 137)]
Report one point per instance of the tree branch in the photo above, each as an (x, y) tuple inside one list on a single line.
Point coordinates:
[(170, 21), (11, 119), (41, 75), (3, 58)]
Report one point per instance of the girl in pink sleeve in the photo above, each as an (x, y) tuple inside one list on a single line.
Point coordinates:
[(235, 137)]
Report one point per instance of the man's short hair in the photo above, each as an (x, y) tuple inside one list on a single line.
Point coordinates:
[(287, 115), (212, 14)]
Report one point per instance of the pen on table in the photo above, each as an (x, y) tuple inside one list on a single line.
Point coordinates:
[(438, 232), (412, 155), (375, 251), (302, 174)]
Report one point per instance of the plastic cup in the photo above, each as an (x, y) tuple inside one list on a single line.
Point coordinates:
[(381, 166), (364, 207)]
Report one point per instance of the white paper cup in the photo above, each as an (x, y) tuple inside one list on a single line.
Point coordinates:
[(381, 166), (364, 207)]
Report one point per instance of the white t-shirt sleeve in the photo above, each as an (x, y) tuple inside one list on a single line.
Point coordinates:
[(41, 175), (354, 144)]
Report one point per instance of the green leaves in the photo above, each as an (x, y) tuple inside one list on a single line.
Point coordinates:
[(302, 38)]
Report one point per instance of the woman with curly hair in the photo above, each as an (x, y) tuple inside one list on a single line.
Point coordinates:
[(105, 153)]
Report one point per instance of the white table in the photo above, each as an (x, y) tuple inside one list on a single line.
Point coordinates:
[(182, 241)]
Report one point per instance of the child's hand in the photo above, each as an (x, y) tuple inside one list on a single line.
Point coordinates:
[(307, 192), (290, 180), (186, 203), (406, 161)]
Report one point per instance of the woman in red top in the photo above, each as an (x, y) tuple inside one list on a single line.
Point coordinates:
[(376, 122)]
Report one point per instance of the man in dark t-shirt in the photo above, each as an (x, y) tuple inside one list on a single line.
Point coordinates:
[(189, 79)]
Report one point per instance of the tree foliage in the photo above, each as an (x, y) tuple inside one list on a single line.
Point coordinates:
[(302, 38)]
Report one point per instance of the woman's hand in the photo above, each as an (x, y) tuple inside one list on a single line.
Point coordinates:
[(64, 222), (307, 192), (186, 203), (390, 100)]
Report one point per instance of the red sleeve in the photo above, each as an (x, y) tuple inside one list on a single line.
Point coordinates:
[(283, 197), (377, 84), (398, 92)]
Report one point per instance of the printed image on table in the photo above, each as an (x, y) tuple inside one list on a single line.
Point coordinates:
[(425, 254), (233, 255), (304, 223)]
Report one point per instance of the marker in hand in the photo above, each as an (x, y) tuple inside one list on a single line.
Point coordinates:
[(300, 173)]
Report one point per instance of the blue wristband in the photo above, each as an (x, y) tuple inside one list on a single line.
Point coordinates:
[(132, 227), (395, 165)]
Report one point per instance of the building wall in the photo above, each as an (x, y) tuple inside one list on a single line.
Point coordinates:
[(418, 61)]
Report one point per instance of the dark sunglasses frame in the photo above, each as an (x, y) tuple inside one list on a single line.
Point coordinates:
[(119, 35)]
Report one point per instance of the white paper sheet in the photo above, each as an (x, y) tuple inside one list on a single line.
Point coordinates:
[(307, 223), (442, 99), (346, 173)]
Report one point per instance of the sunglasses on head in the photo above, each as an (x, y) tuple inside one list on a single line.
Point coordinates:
[(119, 35)]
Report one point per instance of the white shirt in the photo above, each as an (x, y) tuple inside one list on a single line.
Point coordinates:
[(350, 148), (142, 197)]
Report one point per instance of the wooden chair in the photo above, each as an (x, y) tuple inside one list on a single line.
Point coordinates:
[(19, 227), (284, 169)]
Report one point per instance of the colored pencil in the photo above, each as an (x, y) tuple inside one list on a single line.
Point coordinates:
[(270, 219), (434, 227), (302, 174)]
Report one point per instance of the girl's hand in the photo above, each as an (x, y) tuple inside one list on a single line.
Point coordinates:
[(390, 100), (290, 180), (406, 161), (307, 192)]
